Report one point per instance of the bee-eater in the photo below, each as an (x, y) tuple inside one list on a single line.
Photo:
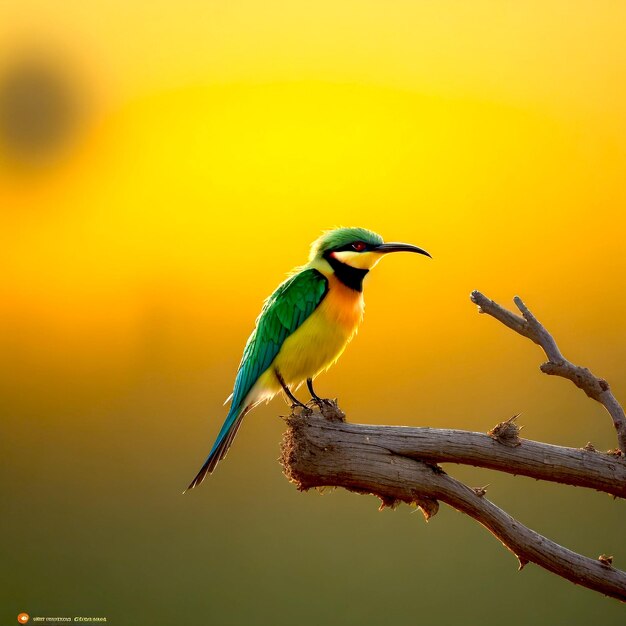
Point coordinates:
[(304, 326)]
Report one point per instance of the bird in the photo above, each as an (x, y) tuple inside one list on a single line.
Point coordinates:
[(303, 327)]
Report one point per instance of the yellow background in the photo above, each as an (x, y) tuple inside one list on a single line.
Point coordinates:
[(216, 140)]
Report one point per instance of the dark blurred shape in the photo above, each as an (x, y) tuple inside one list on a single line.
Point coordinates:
[(39, 111)]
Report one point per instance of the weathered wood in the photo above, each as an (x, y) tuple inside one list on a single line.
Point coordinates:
[(570, 466), (318, 452), (557, 365), (400, 464)]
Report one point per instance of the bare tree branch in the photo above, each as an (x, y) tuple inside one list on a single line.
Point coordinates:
[(399, 464), (557, 365), (571, 466), (314, 456)]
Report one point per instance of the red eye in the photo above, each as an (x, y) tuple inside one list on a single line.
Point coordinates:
[(359, 246)]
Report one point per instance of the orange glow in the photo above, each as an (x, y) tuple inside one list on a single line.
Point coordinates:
[(213, 142)]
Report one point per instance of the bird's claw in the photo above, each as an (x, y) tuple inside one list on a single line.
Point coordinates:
[(300, 409), (320, 403), (328, 408)]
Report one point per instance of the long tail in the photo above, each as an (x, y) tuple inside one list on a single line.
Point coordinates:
[(222, 443)]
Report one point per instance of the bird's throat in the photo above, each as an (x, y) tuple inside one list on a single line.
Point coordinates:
[(351, 277)]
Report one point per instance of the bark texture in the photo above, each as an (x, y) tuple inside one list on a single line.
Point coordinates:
[(317, 452), (400, 464)]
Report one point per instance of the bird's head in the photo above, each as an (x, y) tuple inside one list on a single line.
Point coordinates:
[(357, 248)]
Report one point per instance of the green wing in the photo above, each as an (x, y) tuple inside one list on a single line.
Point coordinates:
[(282, 314)]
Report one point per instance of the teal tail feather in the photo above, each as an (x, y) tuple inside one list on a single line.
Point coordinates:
[(224, 439)]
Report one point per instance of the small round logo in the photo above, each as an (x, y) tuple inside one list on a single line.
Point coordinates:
[(22, 618)]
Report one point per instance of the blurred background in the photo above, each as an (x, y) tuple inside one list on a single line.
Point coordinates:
[(164, 164)]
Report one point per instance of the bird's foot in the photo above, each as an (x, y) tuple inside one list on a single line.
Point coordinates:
[(328, 408), (320, 403), (297, 408)]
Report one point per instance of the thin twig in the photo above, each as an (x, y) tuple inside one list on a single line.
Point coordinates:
[(313, 456), (557, 365), (400, 464)]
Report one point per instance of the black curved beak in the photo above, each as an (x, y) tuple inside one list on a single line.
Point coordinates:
[(400, 247)]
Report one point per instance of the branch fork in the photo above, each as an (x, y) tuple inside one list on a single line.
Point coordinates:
[(400, 464), (557, 365)]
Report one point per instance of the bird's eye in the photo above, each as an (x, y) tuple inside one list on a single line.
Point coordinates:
[(359, 246)]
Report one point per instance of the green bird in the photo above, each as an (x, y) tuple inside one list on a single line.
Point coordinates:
[(304, 326)]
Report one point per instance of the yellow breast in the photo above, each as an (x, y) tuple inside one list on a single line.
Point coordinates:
[(321, 339)]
